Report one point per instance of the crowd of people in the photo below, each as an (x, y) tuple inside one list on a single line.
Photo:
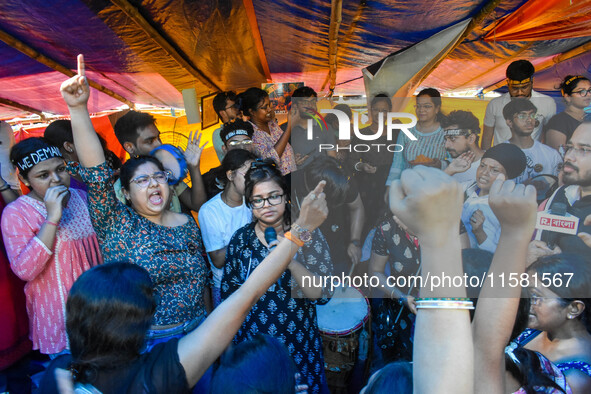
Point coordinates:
[(125, 291)]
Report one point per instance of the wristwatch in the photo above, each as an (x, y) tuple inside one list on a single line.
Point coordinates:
[(303, 234)]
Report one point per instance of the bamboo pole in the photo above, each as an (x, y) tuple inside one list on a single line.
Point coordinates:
[(550, 62), (36, 55), (132, 12), (336, 10), (14, 104), (256, 34), (348, 35)]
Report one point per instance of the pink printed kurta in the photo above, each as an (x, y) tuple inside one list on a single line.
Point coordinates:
[(49, 272), (264, 145)]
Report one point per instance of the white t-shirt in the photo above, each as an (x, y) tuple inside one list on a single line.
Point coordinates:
[(494, 115), (541, 159), (218, 223), (469, 175)]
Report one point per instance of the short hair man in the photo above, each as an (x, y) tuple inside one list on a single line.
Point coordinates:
[(138, 134), (520, 115), (303, 107), (225, 104), (235, 135), (460, 132), (574, 195), (520, 81)]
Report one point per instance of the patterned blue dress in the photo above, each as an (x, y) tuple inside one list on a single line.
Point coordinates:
[(291, 320)]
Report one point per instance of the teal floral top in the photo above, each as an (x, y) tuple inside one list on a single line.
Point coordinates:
[(172, 255)]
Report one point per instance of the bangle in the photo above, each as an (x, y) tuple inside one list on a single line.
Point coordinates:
[(356, 169), (50, 222), (355, 242), (293, 239), (392, 294), (444, 304), (4, 188)]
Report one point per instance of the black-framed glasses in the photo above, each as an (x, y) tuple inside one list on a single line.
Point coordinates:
[(582, 92), (143, 181), (273, 200), (235, 106)]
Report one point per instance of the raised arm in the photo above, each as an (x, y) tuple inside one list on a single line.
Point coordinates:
[(198, 350), (515, 208), (76, 92), (430, 203), (194, 197)]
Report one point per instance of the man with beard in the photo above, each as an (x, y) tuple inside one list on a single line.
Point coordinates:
[(574, 195), (303, 107), (460, 132), (520, 82), (520, 115)]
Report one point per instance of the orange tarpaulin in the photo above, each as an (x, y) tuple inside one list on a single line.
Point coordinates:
[(540, 20)]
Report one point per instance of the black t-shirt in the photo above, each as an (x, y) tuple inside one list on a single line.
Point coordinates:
[(563, 123), (158, 371)]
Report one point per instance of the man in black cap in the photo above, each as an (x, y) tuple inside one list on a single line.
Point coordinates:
[(481, 224), (520, 82)]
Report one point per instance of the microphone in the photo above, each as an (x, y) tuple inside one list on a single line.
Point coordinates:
[(271, 238)]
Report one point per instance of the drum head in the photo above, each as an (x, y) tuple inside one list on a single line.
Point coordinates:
[(174, 163), (346, 312)]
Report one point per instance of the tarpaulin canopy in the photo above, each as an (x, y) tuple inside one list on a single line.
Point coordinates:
[(146, 52)]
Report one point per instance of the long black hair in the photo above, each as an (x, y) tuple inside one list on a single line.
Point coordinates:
[(108, 312), (250, 100), (233, 160), (263, 171)]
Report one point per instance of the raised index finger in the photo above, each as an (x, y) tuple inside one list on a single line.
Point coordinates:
[(319, 188), (81, 68)]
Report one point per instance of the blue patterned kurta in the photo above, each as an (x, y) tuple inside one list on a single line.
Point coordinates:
[(291, 320)]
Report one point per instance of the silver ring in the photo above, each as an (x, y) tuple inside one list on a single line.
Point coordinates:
[(313, 196)]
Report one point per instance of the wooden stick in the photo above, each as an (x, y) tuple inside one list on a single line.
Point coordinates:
[(14, 104), (336, 10)]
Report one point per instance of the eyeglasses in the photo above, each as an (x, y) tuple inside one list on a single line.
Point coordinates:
[(580, 151), (526, 116), (258, 203), (583, 92), (239, 143), (235, 106), (143, 181)]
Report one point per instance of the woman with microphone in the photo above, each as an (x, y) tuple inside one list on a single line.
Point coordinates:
[(287, 310)]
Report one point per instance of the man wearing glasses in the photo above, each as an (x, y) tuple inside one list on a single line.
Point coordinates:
[(225, 104), (303, 107), (574, 195), (520, 115), (236, 134), (520, 83)]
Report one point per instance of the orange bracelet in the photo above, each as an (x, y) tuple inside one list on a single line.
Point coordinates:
[(294, 239)]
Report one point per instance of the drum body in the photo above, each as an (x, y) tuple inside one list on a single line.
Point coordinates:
[(342, 325)]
